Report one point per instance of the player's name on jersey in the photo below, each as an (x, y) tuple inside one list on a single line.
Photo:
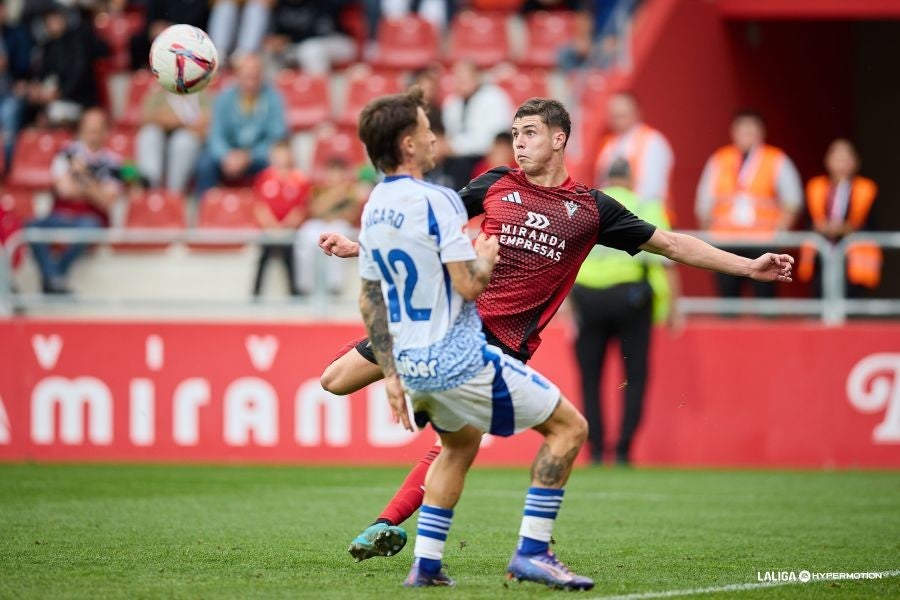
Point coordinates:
[(386, 216), (538, 242)]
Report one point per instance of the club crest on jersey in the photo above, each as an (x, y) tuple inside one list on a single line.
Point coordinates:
[(513, 197), (571, 207), (537, 220)]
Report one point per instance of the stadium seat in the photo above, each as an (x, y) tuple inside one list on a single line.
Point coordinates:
[(336, 144), (18, 202), (406, 43), (154, 209), (122, 143), (117, 29), (34, 152), (226, 208), (306, 99), (523, 85), (479, 37), (587, 86), (16, 209), (548, 31), (142, 84), (363, 86)]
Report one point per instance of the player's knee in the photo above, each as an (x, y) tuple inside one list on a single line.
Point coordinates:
[(579, 429), (332, 381)]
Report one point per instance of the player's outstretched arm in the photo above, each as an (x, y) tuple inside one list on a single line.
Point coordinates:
[(470, 277), (691, 251), (374, 312), (337, 245)]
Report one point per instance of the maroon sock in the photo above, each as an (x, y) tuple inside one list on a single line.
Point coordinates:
[(409, 497)]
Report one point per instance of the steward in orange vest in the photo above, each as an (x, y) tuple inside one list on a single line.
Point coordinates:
[(646, 150), (839, 204), (748, 190)]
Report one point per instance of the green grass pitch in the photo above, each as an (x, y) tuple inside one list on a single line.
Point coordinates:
[(125, 531)]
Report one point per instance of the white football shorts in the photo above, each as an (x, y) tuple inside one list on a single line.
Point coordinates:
[(504, 398)]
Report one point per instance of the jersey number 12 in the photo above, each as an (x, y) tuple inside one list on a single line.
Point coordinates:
[(394, 257)]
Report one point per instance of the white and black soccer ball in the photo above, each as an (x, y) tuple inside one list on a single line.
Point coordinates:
[(183, 59)]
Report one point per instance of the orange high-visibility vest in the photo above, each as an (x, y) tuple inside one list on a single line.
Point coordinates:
[(864, 259), (634, 155), (746, 198)]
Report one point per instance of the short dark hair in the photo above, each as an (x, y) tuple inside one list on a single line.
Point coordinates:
[(384, 121), (551, 112), (749, 113)]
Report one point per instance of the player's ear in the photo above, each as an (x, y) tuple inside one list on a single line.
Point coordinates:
[(559, 140), (407, 147)]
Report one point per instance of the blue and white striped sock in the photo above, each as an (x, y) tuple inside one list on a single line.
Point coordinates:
[(541, 507), (434, 523)]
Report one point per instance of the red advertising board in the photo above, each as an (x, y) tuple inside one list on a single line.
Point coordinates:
[(721, 394)]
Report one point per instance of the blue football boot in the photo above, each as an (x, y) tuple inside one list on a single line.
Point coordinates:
[(419, 578), (547, 569), (379, 539)]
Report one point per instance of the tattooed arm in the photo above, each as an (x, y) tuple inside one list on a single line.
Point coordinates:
[(470, 277), (374, 312)]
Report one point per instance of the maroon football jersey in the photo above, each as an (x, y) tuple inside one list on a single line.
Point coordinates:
[(545, 233)]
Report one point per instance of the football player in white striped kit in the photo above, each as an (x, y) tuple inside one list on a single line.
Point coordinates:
[(420, 277)]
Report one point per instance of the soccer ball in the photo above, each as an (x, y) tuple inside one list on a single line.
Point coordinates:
[(183, 59)]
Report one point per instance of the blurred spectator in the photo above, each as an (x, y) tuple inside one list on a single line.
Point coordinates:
[(11, 93), (86, 184), (335, 206), (501, 154), (309, 34), (473, 114), (247, 21), (437, 12), (748, 189), (282, 195), (840, 203), (64, 84), (599, 26), (529, 6), (170, 140), (647, 151), (247, 119), (428, 78), (160, 15), (619, 296)]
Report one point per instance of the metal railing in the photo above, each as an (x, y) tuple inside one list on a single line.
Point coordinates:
[(833, 308)]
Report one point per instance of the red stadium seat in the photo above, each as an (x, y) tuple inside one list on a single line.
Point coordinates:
[(406, 43), (226, 208), (306, 99), (143, 83), (18, 202), (587, 87), (16, 209), (479, 37), (362, 87), (332, 144), (154, 209), (34, 152), (523, 85), (548, 31), (117, 29), (121, 141)]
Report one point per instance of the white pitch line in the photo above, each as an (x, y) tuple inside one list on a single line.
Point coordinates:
[(734, 587)]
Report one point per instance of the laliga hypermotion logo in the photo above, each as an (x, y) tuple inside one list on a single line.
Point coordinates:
[(873, 386)]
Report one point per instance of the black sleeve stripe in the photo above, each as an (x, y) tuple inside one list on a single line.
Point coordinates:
[(473, 194)]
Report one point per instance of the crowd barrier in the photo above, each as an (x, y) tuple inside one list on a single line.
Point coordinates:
[(833, 308), (743, 393)]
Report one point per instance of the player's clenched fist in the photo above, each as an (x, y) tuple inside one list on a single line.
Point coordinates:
[(338, 245), (772, 267), (487, 246)]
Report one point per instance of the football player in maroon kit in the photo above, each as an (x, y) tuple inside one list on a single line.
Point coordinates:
[(546, 223)]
